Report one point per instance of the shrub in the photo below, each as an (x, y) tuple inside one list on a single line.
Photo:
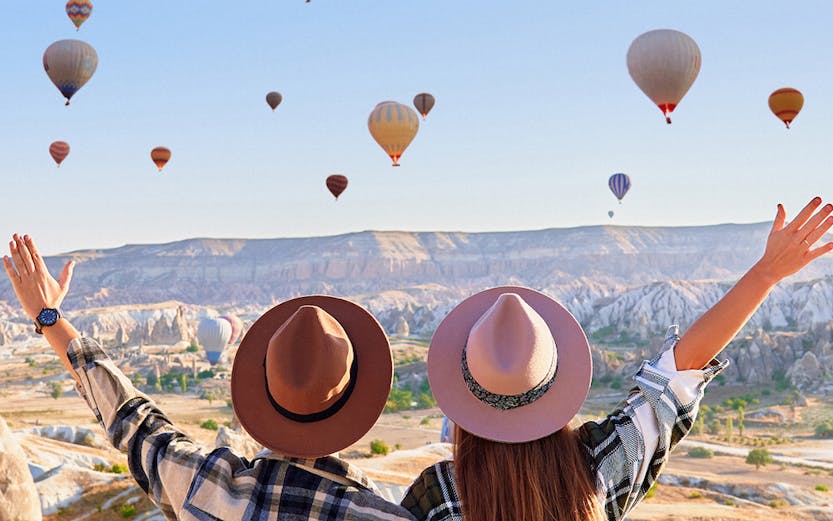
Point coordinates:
[(824, 429), (118, 469), (425, 421), (379, 447), (206, 373), (56, 390), (759, 457), (695, 495), (822, 488), (127, 511), (426, 401), (700, 452), (193, 348), (210, 425), (777, 503), (398, 400)]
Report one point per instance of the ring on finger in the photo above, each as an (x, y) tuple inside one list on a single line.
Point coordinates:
[(805, 242)]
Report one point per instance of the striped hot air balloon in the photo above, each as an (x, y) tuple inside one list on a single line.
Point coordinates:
[(160, 156), (213, 334), (79, 11), (274, 99), (664, 63), (786, 103), (70, 64), (619, 184), (236, 327), (424, 102), (336, 184), (393, 125), (59, 150)]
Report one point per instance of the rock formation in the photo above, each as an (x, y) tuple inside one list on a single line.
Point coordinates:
[(18, 496)]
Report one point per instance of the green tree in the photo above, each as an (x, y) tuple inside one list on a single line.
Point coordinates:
[(210, 425), (379, 447), (209, 395), (152, 380), (183, 382), (56, 390), (426, 401), (824, 429), (759, 457), (740, 421), (730, 428), (700, 452), (398, 400)]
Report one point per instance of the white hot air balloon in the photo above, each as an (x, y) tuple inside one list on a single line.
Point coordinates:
[(664, 63), (213, 334), (70, 64)]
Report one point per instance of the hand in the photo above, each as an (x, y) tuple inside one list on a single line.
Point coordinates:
[(789, 248), (34, 286)]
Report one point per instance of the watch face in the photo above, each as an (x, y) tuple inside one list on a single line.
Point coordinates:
[(48, 317)]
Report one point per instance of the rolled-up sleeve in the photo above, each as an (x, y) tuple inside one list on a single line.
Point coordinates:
[(630, 447)]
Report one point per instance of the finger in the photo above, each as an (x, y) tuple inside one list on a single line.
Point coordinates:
[(37, 259), (821, 250), (14, 277), (804, 214), (18, 260), (66, 276), (819, 232), (25, 256), (815, 220), (780, 217)]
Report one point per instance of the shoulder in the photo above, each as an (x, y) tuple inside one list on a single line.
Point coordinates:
[(433, 495)]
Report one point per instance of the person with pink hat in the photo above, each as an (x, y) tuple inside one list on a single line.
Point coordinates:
[(511, 368), (310, 378)]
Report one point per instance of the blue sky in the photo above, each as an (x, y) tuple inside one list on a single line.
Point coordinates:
[(535, 109)]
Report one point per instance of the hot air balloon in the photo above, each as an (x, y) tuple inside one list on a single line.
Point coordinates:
[(236, 327), (619, 184), (664, 64), (424, 102), (160, 156), (393, 125), (274, 99), (59, 150), (786, 103), (213, 334), (79, 11), (336, 184), (70, 64), (610, 214)]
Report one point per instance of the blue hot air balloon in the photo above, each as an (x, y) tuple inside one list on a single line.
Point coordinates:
[(213, 334), (619, 184)]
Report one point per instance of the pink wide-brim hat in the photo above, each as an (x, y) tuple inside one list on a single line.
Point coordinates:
[(544, 416)]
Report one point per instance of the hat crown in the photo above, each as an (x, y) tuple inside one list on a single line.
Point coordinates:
[(308, 361), (510, 349)]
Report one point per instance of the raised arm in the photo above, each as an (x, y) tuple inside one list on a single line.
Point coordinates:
[(788, 249)]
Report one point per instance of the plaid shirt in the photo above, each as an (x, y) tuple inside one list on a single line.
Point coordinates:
[(627, 450), (187, 482)]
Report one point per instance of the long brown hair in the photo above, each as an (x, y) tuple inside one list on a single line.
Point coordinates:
[(542, 480)]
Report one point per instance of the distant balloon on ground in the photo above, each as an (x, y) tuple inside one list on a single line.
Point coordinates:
[(393, 125), (59, 150), (236, 327), (79, 11), (664, 63), (274, 99), (786, 103), (336, 184), (424, 102), (619, 184), (610, 214), (160, 156), (213, 334), (70, 64)]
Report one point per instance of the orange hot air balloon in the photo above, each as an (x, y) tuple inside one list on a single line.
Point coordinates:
[(336, 184), (786, 103), (424, 102), (393, 125), (59, 150), (160, 156)]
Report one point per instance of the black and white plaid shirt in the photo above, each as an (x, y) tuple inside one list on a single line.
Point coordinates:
[(628, 449), (189, 483)]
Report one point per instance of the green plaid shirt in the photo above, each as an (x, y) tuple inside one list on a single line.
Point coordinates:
[(627, 450)]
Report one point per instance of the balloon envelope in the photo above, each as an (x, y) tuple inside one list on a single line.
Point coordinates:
[(424, 102), (619, 184), (236, 327), (274, 99), (610, 214), (160, 156), (336, 184), (393, 125), (786, 103), (213, 334), (59, 150), (79, 11), (70, 64), (664, 63)]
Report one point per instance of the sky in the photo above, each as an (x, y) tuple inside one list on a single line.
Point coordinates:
[(535, 110)]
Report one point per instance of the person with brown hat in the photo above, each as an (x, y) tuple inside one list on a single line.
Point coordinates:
[(310, 378), (511, 368)]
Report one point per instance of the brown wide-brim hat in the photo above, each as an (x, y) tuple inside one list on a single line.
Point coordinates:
[(547, 414), (273, 430)]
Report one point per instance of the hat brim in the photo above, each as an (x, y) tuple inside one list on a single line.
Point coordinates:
[(544, 416), (249, 392)]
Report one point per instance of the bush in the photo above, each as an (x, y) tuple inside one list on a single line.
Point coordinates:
[(56, 390), (824, 429), (695, 495), (822, 488), (206, 373), (425, 421), (700, 452), (379, 447), (193, 348), (210, 425), (118, 469), (127, 511), (398, 400), (777, 503), (426, 401), (759, 457)]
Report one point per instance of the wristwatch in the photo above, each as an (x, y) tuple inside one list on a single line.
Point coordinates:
[(47, 317)]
